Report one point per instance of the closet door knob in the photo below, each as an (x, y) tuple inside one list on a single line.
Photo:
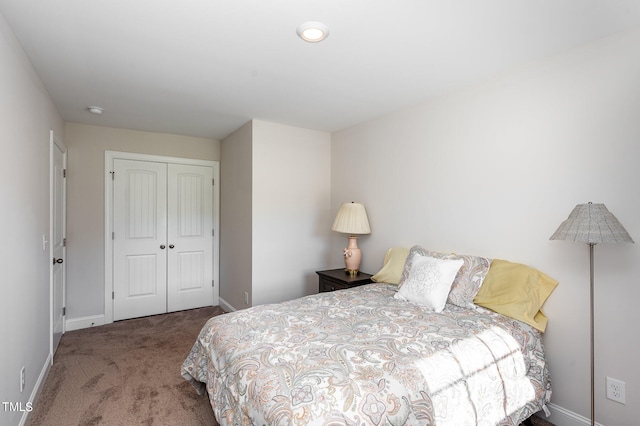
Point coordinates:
[(171, 246), (162, 246)]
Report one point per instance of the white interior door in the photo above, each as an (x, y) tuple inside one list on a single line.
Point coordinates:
[(190, 237), (57, 240), (139, 238)]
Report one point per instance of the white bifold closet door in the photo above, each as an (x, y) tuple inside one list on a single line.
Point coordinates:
[(163, 237)]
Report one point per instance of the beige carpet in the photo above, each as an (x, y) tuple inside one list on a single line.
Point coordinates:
[(125, 373), (128, 373)]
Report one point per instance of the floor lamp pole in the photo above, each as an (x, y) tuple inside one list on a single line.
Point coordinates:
[(593, 419)]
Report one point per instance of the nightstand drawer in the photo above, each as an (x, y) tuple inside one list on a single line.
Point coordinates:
[(329, 285), (338, 279)]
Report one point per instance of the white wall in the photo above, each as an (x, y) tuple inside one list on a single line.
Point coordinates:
[(291, 214), (85, 201), (235, 218), (494, 169), (27, 114), (275, 220)]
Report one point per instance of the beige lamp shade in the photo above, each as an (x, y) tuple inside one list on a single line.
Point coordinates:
[(351, 219)]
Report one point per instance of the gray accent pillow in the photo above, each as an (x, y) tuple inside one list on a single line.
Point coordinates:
[(468, 280)]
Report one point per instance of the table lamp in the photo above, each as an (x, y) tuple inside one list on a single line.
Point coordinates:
[(352, 219)]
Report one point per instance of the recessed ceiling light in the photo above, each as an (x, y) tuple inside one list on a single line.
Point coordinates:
[(95, 110), (313, 32)]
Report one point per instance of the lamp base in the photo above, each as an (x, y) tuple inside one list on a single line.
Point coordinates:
[(352, 272), (352, 255)]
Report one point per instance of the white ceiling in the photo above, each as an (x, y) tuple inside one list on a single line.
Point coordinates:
[(205, 67)]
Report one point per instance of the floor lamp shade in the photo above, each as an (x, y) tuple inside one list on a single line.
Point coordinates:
[(592, 224), (352, 219)]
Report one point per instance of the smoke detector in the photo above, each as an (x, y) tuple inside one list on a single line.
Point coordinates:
[(95, 110)]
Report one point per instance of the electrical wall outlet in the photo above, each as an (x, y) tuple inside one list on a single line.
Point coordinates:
[(616, 390), (22, 379), (246, 297)]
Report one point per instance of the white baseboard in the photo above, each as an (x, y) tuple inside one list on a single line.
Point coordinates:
[(563, 417), (83, 322), (33, 398), (226, 305)]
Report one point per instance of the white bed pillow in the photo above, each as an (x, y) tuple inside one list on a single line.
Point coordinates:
[(428, 281)]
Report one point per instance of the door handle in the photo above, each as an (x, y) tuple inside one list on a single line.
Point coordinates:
[(171, 246), (162, 246), (57, 260)]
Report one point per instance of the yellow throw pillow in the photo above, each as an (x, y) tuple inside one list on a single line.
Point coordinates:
[(517, 291), (392, 266)]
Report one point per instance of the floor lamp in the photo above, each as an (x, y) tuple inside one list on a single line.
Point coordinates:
[(592, 224)]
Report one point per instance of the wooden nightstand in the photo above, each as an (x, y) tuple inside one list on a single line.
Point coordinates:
[(338, 279)]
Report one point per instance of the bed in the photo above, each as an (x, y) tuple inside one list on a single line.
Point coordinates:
[(365, 356)]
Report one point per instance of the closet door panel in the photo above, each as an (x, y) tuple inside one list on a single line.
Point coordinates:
[(190, 236), (139, 239)]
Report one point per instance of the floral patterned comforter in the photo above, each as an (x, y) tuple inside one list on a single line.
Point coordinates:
[(361, 357)]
